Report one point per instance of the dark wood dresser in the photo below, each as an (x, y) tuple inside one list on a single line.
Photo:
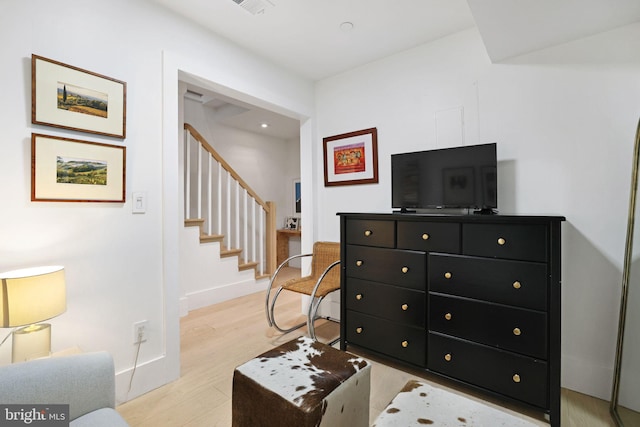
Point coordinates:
[(473, 298)]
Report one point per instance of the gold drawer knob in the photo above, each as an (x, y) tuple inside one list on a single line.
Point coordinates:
[(425, 236), (517, 332), (368, 233), (501, 241), (405, 269), (517, 285), (358, 263), (359, 297), (448, 275), (516, 378), (405, 344), (447, 357), (358, 330), (448, 316), (405, 307)]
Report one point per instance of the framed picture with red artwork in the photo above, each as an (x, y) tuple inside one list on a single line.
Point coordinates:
[(351, 158)]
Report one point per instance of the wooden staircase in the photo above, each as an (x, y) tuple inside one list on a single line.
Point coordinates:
[(218, 200), (225, 252)]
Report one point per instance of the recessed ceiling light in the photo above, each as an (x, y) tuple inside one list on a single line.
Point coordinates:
[(264, 125), (347, 26)]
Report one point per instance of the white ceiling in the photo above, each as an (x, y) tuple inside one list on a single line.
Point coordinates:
[(240, 115), (305, 36), (511, 28)]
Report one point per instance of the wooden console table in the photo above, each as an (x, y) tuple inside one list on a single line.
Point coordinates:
[(282, 241)]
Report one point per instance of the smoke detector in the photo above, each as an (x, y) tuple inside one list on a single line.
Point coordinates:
[(254, 7)]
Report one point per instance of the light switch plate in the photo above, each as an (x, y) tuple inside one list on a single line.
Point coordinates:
[(139, 202)]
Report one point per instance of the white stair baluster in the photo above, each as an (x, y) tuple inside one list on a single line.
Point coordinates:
[(219, 208), (237, 215), (199, 169), (187, 176), (228, 235), (245, 248), (253, 230), (262, 219), (209, 195)]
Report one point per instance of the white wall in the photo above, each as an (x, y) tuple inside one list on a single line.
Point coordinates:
[(564, 120), (121, 268)]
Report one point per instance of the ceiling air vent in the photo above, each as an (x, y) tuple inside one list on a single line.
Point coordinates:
[(254, 7), (195, 96)]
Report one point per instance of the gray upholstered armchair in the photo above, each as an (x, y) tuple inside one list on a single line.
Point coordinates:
[(86, 382)]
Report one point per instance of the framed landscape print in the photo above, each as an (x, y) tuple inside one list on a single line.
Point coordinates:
[(351, 158), (70, 170), (68, 97)]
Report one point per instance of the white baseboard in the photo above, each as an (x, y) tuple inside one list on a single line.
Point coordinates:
[(586, 378), (183, 306), (148, 376), (206, 297)]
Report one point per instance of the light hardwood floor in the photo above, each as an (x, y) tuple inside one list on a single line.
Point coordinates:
[(216, 339)]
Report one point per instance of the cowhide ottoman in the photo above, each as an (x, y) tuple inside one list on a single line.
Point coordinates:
[(302, 383), (419, 404)]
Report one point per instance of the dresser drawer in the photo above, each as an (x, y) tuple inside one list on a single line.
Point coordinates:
[(429, 236), (520, 330), (371, 233), (521, 242), (390, 302), (519, 377), (398, 267), (518, 283), (403, 342)]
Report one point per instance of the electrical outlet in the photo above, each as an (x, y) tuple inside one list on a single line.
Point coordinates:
[(140, 331)]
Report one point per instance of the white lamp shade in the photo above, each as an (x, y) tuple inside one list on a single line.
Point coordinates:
[(31, 295)]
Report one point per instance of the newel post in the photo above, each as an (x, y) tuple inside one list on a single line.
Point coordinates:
[(271, 238)]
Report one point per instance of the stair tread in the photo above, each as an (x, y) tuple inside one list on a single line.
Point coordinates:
[(247, 265), (211, 237), (224, 252)]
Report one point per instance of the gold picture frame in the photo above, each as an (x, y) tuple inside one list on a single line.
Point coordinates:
[(71, 170), (69, 97)]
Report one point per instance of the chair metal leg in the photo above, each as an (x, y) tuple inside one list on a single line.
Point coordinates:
[(334, 341), (272, 316), (314, 304), (273, 279)]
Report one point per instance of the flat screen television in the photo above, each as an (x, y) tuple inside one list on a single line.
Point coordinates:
[(458, 177)]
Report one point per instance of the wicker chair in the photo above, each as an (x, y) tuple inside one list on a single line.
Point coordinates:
[(323, 280)]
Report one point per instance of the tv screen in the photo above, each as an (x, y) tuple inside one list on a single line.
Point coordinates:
[(459, 177)]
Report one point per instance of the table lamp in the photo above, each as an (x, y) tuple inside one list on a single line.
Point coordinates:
[(28, 296)]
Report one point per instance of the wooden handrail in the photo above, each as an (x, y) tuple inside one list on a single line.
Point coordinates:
[(226, 166)]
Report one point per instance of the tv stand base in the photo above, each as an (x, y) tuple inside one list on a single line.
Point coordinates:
[(486, 211)]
